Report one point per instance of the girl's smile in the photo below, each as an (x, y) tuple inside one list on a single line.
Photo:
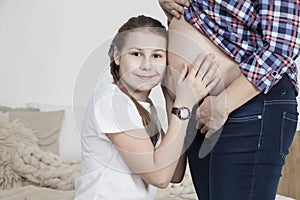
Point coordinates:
[(146, 77)]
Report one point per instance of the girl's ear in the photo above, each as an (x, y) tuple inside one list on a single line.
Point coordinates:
[(116, 56)]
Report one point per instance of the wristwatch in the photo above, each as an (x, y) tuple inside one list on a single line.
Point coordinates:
[(183, 113)]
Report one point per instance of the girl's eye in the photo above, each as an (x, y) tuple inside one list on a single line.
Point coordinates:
[(157, 55), (136, 54)]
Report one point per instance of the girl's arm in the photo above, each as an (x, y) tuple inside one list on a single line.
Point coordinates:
[(180, 169), (181, 166), (157, 166)]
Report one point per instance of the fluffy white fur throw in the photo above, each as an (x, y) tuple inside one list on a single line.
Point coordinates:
[(22, 162), (10, 135)]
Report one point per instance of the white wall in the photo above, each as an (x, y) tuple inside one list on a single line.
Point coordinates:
[(44, 43)]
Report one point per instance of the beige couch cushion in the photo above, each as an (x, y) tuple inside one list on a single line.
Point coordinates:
[(5, 109), (46, 124)]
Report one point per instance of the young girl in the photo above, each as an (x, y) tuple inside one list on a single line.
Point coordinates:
[(124, 150)]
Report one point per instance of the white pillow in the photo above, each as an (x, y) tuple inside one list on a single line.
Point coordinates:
[(69, 139)]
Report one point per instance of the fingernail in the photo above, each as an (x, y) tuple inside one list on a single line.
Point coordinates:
[(187, 3)]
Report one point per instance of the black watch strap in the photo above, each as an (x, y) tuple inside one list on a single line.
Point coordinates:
[(182, 113)]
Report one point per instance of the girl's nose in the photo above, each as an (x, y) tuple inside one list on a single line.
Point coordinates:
[(146, 64)]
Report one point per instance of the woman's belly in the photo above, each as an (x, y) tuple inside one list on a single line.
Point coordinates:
[(186, 43)]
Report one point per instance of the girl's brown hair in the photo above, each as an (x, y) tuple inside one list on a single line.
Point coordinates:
[(136, 24)]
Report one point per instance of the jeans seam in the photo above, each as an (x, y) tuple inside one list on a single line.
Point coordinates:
[(252, 182), (288, 118), (281, 135), (258, 147), (261, 127), (242, 119), (281, 102)]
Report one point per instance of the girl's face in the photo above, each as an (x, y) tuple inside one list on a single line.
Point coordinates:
[(142, 62)]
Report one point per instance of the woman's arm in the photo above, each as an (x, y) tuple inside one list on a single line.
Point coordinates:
[(265, 66), (214, 110), (279, 26)]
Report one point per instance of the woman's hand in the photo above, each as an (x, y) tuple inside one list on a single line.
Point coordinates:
[(212, 115), (173, 7), (195, 82)]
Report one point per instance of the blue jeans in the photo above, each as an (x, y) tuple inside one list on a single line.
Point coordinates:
[(246, 162)]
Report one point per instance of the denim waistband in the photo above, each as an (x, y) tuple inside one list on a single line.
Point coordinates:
[(284, 85)]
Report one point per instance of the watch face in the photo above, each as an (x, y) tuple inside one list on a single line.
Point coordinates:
[(184, 113)]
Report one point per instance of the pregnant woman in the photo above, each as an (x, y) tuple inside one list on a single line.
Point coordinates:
[(254, 107)]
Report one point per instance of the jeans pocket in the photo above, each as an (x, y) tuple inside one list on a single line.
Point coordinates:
[(244, 119), (288, 129)]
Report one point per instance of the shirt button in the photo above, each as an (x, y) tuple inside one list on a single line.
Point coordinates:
[(259, 117), (275, 74)]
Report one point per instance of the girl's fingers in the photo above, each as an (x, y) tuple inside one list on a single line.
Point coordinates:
[(205, 65), (199, 61), (212, 84), (193, 72), (212, 73), (183, 73), (196, 66)]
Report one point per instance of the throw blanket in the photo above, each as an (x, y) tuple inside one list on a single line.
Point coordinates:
[(23, 163), (45, 168), (31, 192)]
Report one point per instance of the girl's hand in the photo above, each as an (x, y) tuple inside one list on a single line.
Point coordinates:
[(195, 82), (173, 7)]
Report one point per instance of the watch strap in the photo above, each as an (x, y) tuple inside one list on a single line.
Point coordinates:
[(178, 112)]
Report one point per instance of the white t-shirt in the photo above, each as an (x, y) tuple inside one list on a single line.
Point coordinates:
[(105, 175)]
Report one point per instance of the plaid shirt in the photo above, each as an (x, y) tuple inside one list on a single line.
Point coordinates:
[(263, 36)]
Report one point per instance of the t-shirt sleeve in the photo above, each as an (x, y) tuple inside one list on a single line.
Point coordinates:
[(116, 113)]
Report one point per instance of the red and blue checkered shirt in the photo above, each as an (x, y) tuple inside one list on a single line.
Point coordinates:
[(263, 36)]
